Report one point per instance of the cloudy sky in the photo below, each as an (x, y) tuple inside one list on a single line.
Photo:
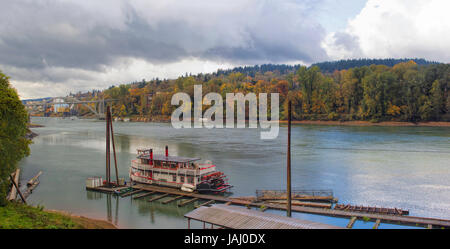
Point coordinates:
[(52, 48)]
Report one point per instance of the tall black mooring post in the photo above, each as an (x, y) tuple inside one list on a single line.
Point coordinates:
[(288, 192)]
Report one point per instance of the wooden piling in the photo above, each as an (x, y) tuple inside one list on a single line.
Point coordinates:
[(114, 146), (108, 172), (377, 224), (351, 222), (289, 201)]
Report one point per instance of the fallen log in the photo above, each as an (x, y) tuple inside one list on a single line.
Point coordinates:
[(13, 193), (32, 180), (30, 189)]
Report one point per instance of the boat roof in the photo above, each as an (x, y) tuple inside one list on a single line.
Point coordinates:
[(177, 159)]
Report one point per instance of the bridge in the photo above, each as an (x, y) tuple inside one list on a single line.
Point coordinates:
[(95, 106)]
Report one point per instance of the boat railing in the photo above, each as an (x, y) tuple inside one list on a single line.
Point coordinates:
[(141, 166)]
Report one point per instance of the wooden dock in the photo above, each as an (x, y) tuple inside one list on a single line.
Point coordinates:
[(383, 218), (131, 193), (379, 210), (184, 203), (103, 189), (158, 197), (173, 199), (143, 195)]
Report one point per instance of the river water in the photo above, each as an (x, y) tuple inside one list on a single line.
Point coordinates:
[(403, 167)]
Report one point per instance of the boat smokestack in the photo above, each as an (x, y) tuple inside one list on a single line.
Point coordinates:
[(167, 151), (151, 156)]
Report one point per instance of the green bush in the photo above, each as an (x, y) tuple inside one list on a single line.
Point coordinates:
[(13, 128)]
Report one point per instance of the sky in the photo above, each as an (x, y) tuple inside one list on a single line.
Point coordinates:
[(54, 47)]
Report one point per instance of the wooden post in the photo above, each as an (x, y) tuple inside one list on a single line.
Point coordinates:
[(108, 180), (288, 192), (114, 148), (377, 224), (17, 188), (351, 222), (189, 223)]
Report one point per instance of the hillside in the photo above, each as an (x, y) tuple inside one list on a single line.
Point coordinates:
[(404, 92)]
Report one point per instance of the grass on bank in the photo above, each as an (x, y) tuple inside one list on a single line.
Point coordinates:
[(20, 216)]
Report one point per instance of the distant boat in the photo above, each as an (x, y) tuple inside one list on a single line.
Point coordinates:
[(126, 120)]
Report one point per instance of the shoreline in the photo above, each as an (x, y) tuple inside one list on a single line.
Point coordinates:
[(85, 222), (368, 123), (307, 122)]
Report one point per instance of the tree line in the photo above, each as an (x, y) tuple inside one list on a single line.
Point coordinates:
[(404, 92)]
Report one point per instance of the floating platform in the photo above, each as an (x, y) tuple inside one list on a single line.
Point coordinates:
[(378, 210), (299, 195), (105, 189), (359, 215)]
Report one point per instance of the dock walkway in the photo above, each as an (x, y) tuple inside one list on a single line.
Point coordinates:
[(383, 218)]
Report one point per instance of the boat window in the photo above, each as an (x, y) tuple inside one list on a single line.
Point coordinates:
[(182, 179), (174, 178), (190, 179)]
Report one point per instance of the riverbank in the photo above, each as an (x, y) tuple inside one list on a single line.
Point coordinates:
[(335, 123), (20, 216), (164, 119), (368, 123)]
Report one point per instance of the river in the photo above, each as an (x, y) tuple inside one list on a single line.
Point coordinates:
[(403, 167)]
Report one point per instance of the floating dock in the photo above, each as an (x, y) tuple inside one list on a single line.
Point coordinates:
[(358, 215), (232, 217), (379, 210)]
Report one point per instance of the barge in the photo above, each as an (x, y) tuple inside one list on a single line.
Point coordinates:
[(183, 173)]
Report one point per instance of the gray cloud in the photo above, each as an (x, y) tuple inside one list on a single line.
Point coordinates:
[(58, 41), (36, 34)]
